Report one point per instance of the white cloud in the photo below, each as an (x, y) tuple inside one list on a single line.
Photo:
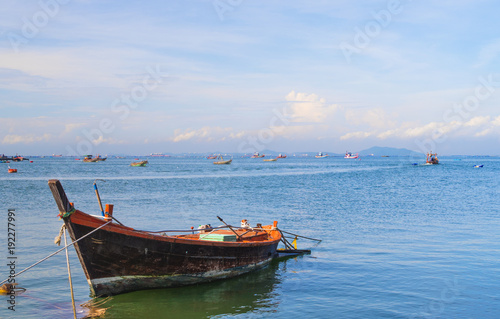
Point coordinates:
[(309, 108), (478, 121), (478, 126), (355, 135), (375, 118), (68, 128), (25, 139), (205, 134), (496, 121), (485, 132)]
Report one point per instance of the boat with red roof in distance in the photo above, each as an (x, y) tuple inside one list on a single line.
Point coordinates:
[(257, 155)]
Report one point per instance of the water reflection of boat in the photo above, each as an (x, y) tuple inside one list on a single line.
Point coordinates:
[(247, 294)]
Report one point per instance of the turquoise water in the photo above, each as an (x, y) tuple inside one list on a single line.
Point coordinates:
[(399, 240)]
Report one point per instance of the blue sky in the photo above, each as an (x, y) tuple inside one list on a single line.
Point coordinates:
[(84, 76)]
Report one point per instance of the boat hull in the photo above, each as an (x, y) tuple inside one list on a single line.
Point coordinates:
[(223, 162), (117, 259), (122, 284), (139, 164)]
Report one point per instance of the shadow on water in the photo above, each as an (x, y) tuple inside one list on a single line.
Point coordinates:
[(255, 292)]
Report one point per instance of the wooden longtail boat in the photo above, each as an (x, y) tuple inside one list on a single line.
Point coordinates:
[(139, 164), (118, 259), (90, 159), (270, 160), (222, 161)]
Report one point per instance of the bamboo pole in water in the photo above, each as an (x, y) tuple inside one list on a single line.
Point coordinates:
[(69, 277)]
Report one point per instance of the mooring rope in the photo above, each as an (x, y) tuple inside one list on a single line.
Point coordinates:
[(55, 253), (57, 240), (318, 240)]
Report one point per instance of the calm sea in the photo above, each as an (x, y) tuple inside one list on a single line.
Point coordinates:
[(399, 240)]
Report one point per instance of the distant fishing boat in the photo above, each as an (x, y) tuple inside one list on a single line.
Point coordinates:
[(139, 164), (432, 158), (18, 158), (158, 155), (257, 155), (222, 161), (12, 170), (270, 160), (350, 155), (321, 155), (211, 156), (281, 156), (478, 166), (90, 159), (118, 259)]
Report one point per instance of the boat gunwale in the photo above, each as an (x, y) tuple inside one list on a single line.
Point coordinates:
[(86, 220)]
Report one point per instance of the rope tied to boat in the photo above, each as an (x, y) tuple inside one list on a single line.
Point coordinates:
[(57, 239), (67, 214), (56, 252)]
